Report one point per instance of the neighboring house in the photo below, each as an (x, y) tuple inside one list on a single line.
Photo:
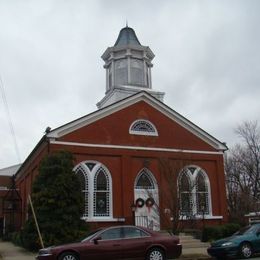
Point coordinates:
[(118, 149), (10, 201)]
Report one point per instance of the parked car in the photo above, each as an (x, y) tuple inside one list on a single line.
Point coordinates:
[(243, 243), (118, 242)]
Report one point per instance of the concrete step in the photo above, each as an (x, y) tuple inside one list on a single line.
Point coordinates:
[(187, 238), (194, 245), (188, 241)]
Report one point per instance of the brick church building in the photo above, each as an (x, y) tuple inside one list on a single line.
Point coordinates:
[(126, 149)]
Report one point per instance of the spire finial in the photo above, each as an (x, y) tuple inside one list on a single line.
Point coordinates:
[(126, 23)]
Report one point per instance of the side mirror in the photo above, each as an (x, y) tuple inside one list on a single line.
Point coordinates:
[(96, 239)]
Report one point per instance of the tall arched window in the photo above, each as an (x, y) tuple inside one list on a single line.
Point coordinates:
[(101, 193), (194, 187), (96, 185), (185, 194), (202, 195), (83, 176)]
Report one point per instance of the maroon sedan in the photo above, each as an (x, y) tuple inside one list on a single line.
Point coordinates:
[(119, 242)]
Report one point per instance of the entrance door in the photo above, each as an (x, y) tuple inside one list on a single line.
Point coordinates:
[(147, 200)]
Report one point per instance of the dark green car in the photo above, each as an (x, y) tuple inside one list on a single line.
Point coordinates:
[(243, 244)]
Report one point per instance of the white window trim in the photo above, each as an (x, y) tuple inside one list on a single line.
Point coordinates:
[(133, 132), (91, 176), (200, 217), (95, 191), (192, 180)]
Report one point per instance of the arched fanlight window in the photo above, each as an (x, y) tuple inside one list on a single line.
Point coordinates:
[(144, 180), (96, 185), (194, 187), (143, 127)]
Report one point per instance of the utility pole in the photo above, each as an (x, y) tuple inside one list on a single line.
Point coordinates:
[(36, 222)]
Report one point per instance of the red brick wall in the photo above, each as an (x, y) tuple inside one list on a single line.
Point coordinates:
[(27, 173), (114, 129), (125, 164)]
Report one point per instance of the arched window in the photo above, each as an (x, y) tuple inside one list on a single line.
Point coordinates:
[(101, 193), (96, 185), (202, 196), (83, 176), (185, 194), (143, 127), (144, 181), (193, 186)]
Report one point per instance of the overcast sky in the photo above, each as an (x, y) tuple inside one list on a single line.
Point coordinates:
[(207, 61)]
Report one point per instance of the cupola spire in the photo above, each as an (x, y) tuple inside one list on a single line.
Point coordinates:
[(128, 68), (127, 36)]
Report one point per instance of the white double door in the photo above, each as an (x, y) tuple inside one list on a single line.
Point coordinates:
[(147, 212)]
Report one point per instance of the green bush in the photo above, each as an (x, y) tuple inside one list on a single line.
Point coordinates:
[(211, 233), (231, 228), (58, 203), (216, 232)]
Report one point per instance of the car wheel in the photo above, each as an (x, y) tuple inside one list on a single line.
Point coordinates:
[(246, 250), (68, 256), (155, 254)]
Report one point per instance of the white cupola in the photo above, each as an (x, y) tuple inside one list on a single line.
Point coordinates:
[(128, 69)]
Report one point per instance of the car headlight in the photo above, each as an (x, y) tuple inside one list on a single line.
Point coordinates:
[(45, 251), (227, 244)]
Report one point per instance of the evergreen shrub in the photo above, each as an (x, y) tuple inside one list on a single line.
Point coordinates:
[(58, 203), (211, 233)]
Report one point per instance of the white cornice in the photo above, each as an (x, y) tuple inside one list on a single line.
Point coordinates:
[(131, 147)]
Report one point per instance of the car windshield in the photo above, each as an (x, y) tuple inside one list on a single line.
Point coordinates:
[(245, 230), (90, 235)]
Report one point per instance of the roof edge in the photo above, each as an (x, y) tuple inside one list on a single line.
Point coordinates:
[(42, 140), (98, 114)]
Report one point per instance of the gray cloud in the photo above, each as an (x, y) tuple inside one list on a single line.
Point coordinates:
[(207, 61)]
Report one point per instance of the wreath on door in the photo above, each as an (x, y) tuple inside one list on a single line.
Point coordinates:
[(149, 202), (139, 203)]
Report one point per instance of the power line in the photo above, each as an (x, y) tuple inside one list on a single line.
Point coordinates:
[(9, 119)]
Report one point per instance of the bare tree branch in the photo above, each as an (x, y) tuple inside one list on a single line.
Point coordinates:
[(243, 171)]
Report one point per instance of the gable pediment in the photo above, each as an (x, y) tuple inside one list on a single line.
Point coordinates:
[(110, 125)]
